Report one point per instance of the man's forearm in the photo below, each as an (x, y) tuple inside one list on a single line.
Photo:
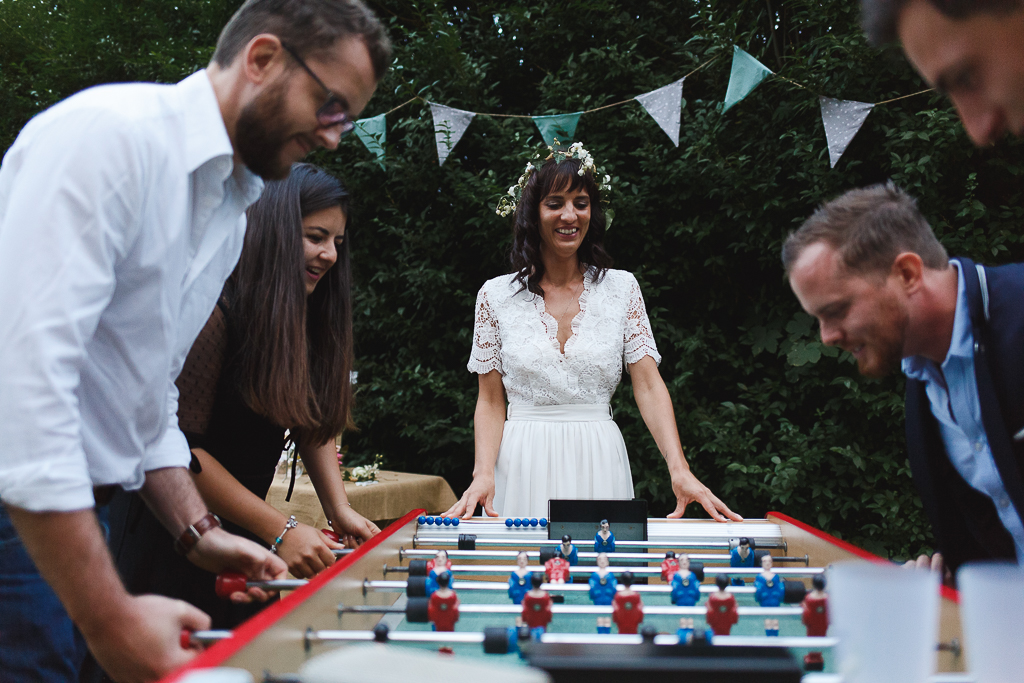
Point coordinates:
[(172, 496), (71, 553)]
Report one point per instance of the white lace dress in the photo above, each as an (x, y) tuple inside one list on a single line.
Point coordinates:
[(559, 440)]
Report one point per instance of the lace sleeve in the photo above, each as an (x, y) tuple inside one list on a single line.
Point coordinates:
[(637, 338), (486, 354), (197, 383)]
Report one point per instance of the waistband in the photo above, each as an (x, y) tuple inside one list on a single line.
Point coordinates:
[(585, 412)]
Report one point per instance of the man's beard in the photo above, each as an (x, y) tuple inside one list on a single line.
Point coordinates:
[(889, 340), (261, 134)]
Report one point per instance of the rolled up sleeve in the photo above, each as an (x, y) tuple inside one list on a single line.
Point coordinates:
[(69, 207)]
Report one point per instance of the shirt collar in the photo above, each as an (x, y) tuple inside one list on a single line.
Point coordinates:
[(206, 137), (961, 343)]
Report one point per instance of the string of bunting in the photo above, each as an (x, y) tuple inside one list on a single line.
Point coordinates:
[(842, 119)]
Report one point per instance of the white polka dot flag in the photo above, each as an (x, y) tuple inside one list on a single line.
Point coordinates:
[(842, 119), (665, 106), (449, 126), (747, 73)]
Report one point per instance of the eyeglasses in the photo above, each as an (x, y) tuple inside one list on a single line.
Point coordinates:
[(333, 111)]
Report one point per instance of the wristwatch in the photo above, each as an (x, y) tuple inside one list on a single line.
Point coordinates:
[(190, 536)]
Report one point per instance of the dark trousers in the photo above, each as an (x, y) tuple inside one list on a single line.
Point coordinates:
[(38, 641)]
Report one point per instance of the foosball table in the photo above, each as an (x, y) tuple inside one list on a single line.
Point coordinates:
[(378, 593)]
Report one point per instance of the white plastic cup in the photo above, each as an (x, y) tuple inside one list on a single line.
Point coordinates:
[(886, 618), (992, 613)]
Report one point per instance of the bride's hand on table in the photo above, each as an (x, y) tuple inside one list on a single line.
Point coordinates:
[(688, 489), (480, 492)]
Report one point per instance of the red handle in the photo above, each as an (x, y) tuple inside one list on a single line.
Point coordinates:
[(331, 534), (186, 639), (228, 583)]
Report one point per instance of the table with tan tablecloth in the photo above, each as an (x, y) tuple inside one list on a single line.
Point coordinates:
[(394, 494)]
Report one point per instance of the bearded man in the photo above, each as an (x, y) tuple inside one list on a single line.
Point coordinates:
[(869, 268), (121, 216)]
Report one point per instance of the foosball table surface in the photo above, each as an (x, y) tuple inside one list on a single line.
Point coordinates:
[(277, 641)]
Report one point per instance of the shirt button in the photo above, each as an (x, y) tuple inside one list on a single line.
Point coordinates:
[(978, 446)]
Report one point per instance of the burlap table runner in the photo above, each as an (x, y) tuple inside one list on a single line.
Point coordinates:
[(394, 494)]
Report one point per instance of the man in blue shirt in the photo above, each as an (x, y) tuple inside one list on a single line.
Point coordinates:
[(882, 287)]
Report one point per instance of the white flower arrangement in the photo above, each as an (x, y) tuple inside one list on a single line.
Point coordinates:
[(506, 206), (364, 473)]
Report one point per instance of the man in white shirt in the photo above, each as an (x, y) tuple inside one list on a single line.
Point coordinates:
[(121, 215)]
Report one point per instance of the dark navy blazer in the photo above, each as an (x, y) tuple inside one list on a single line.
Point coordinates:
[(965, 521)]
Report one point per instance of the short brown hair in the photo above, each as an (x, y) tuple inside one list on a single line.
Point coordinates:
[(881, 17), (869, 227), (307, 26)]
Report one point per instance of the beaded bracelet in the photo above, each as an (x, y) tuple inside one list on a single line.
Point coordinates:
[(290, 524)]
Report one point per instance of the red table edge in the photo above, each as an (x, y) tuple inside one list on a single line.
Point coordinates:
[(244, 634), (946, 591)]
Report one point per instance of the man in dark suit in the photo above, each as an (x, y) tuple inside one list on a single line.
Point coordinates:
[(869, 268)]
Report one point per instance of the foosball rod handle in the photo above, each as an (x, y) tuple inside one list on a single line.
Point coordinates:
[(190, 639), (229, 583)]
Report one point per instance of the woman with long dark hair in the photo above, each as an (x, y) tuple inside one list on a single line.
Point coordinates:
[(276, 354), (553, 337)]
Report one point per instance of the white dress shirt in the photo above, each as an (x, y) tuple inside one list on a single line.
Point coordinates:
[(121, 215)]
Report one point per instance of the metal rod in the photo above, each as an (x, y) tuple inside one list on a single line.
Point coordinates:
[(492, 569), (666, 544), (599, 610), (459, 586), (404, 554)]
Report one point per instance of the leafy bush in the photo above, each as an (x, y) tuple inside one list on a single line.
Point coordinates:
[(770, 418)]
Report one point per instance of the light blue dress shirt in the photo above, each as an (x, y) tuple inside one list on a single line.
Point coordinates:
[(952, 391)]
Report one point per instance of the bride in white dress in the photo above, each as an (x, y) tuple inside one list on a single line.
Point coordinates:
[(553, 337)]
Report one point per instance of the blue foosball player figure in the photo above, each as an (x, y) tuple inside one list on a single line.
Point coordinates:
[(568, 551), (602, 591), (439, 564), (685, 586), (604, 540), (519, 579), (769, 591), (742, 556), (685, 632)]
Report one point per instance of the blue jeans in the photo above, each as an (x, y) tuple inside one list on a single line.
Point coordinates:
[(38, 641)]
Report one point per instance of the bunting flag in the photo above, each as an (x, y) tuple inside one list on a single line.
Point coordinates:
[(561, 126), (842, 119), (449, 126), (373, 132), (665, 105), (747, 74)]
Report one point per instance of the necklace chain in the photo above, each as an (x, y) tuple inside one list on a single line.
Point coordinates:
[(569, 305)]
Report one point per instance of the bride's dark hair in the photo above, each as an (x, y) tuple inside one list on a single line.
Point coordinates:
[(525, 251)]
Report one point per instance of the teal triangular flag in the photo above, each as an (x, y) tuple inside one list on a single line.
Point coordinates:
[(561, 126), (374, 133), (747, 74)]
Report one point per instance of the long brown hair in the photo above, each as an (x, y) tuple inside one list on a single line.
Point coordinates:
[(295, 352)]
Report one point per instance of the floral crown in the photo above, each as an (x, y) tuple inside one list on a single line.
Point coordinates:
[(507, 205)]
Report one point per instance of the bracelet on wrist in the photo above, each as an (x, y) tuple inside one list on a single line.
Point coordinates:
[(290, 524)]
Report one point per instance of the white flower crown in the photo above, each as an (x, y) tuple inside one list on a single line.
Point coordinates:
[(507, 205)]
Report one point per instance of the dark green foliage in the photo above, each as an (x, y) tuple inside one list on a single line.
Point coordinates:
[(770, 419)]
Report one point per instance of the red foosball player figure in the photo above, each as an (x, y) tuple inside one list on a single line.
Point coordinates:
[(669, 567), (536, 606), (815, 618), (722, 614), (557, 569), (443, 607), (627, 607)]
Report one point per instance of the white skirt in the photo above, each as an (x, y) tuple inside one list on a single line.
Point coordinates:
[(566, 452)]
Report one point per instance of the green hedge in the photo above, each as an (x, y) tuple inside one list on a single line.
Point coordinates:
[(770, 419)]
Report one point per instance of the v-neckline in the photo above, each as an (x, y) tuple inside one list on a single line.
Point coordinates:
[(573, 326)]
